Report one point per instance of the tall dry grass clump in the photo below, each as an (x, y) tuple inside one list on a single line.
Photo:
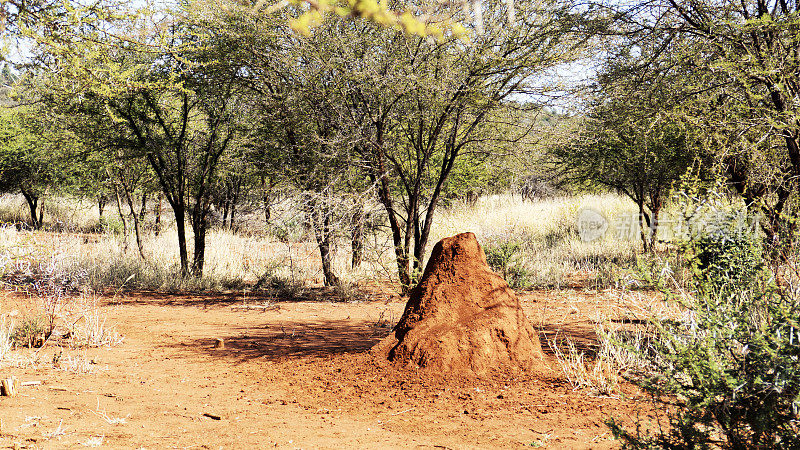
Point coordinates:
[(6, 331), (63, 307)]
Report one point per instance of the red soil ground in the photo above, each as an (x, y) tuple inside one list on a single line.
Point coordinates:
[(300, 376)]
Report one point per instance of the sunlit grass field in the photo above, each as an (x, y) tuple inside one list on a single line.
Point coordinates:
[(550, 250)]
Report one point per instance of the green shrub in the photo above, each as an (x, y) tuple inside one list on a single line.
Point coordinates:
[(731, 367), (500, 256), (30, 332), (726, 261), (111, 226), (505, 258)]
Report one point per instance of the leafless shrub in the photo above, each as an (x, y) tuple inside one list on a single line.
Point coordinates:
[(49, 276), (75, 364)]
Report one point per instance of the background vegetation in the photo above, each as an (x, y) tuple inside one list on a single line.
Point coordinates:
[(277, 147)]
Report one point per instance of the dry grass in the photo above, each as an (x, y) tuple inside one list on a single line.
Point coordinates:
[(600, 376), (6, 330), (94, 332), (108, 419), (552, 252), (63, 213), (75, 364), (94, 441), (56, 433), (625, 338)]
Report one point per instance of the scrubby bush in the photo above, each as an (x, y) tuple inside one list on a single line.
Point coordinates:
[(30, 332), (505, 259), (501, 256), (731, 369)]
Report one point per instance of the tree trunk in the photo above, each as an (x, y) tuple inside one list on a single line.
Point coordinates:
[(122, 218), (232, 218), (225, 214), (200, 228), (421, 237), (198, 261), (33, 204), (180, 222), (403, 270), (101, 204), (655, 209), (357, 236), (143, 211), (266, 199), (157, 224), (135, 217), (320, 222), (644, 227)]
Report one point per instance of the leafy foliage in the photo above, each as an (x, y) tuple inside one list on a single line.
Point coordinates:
[(505, 258), (732, 367), (29, 332), (35, 158), (633, 140)]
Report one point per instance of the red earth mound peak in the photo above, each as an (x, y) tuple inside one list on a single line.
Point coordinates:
[(462, 318)]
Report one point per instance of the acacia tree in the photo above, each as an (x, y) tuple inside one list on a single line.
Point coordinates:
[(401, 108), (443, 108), (165, 96), (741, 66), (183, 134), (634, 139), (639, 159), (299, 138), (34, 157)]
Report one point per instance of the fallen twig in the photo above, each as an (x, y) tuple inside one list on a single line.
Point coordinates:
[(401, 412), (264, 307)]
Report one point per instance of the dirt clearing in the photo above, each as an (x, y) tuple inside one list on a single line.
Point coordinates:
[(296, 376)]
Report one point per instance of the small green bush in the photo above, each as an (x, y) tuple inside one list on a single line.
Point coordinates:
[(30, 332), (505, 258), (500, 256), (725, 262), (731, 367), (111, 226)]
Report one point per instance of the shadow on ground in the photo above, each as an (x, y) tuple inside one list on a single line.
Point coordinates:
[(581, 334), (312, 294), (292, 340), (325, 338)]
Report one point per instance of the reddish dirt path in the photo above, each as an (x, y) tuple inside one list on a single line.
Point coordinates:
[(297, 377)]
